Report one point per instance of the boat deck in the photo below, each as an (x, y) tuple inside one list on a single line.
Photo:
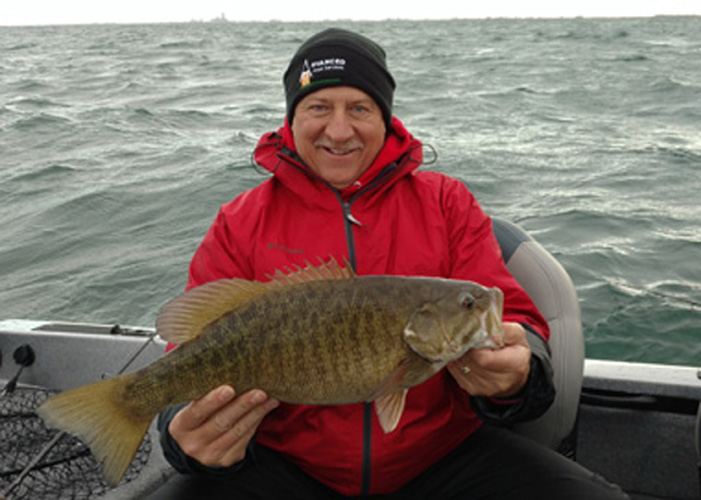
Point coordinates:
[(637, 423)]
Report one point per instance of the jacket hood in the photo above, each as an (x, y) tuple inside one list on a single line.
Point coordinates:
[(401, 154)]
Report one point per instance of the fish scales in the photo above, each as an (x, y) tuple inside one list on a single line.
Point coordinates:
[(302, 344), (328, 335), (318, 341)]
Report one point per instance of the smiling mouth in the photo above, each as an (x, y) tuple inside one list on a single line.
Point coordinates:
[(339, 150)]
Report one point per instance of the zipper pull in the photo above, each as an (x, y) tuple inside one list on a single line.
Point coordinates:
[(351, 218)]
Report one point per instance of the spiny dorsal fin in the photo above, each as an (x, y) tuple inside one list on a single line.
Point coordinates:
[(329, 270), (185, 317)]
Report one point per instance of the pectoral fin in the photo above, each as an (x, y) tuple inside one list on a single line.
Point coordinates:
[(389, 409), (391, 383), (389, 397)]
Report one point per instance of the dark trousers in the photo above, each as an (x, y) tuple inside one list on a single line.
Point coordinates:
[(492, 464)]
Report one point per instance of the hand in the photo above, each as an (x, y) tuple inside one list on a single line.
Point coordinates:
[(216, 429), (495, 372)]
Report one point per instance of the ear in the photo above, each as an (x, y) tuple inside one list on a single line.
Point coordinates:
[(423, 333)]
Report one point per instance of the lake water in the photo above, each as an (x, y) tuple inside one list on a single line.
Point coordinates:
[(118, 143)]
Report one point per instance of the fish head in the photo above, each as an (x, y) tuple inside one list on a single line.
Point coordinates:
[(466, 316)]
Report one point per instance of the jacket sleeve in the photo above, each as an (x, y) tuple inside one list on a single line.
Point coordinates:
[(217, 257), (535, 397), (476, 256)]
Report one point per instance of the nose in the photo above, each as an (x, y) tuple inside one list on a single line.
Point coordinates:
[(339, 128)]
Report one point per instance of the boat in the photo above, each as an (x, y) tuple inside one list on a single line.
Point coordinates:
[(636, 424)]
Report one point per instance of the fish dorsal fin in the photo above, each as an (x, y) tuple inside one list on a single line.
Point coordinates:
[(185, 317), (329, 270)]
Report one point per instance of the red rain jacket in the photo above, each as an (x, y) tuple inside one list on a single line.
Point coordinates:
[(395, 220)]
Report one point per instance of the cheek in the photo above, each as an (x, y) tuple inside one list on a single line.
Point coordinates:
[(374, 140), (303, 132), (304, 145)]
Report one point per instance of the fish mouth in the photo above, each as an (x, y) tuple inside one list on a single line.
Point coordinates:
[(490, 333)]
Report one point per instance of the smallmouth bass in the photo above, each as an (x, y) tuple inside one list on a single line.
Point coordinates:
[(318, 335)]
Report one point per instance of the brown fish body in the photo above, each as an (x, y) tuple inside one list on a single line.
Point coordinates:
[(319, 342), (312, 340)]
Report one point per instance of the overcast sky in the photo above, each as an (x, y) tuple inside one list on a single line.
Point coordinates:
[(32, 12)]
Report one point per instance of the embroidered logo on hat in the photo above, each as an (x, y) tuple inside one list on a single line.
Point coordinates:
[(305, 78), (313, 69)]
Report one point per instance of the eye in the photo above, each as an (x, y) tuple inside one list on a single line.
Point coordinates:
[(468, 301), (317, 108)]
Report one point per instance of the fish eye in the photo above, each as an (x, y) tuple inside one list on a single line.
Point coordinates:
[(468, 301)]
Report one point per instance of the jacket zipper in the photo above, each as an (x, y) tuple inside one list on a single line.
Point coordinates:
[(349, 221)]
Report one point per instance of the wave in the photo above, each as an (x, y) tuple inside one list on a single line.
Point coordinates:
[(39, 122), (186, 44), (28, 85), (667, 83), (34, 103), (631, 58), (20, 47), (51, 172)]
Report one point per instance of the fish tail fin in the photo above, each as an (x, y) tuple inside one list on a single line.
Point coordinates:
[(96, 414)]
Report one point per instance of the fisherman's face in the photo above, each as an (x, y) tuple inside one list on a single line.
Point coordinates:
[(338, 132)]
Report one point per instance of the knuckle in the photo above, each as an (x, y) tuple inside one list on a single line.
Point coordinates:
[(191, 449), (222, 422), (194, 413), (238, 432)]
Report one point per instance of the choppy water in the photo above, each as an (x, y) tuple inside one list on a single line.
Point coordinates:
[(119, 143)]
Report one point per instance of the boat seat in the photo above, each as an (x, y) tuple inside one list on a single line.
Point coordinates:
[(552, 290)]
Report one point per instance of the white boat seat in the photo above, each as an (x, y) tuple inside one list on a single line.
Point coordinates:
[(552, 290)]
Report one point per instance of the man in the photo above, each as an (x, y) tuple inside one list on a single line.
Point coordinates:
[(346, 184)]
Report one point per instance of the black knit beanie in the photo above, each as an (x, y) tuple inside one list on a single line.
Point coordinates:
[(337, 57)]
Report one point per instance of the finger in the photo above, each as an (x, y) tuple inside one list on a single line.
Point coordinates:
[(479, 360), (235, 452), (502, 360), (233, 427), (229, 415), (235, 442), (514, 333), (198, 412)]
